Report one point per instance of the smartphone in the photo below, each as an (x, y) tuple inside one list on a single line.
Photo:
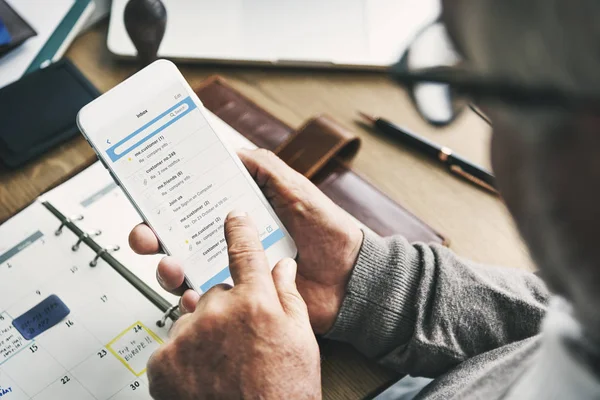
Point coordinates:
[(153, 135)]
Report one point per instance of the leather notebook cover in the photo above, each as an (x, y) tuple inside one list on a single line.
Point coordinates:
[(322, 151)]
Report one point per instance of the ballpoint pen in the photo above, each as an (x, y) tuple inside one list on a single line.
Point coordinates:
[(456, 164)]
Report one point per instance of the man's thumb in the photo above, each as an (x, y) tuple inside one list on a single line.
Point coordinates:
[(284, 277)]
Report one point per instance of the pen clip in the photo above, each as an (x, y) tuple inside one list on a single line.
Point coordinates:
[(459, 171)]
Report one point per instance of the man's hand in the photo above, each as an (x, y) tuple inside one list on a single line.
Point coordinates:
[(328, 240), (250, 341)]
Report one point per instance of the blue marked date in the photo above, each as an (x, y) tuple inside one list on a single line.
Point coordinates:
[(42, 317)]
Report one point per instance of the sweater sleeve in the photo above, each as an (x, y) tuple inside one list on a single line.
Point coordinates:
[(422, 310)]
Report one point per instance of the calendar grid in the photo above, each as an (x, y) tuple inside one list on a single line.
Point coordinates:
[(100, 349)]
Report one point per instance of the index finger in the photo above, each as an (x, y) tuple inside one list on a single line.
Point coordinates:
[(247, 260)]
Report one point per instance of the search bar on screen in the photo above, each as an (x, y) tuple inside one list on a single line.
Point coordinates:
[(150, 129)]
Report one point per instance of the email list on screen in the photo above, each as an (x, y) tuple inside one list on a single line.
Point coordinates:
[(185, 182)]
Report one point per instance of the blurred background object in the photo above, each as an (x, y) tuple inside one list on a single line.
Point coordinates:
[(53, 95), (432, 50), (359, 34), (145, 22), (56, 22), (14, 30), (101, 11)]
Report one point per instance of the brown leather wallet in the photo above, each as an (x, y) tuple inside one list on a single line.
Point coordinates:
[(321, 150)]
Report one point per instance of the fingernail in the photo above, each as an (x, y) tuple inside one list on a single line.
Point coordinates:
[(290, 267), (181, 306), (159, 278), (236, 213)]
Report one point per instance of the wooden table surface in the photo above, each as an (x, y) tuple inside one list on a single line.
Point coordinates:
[(477, 223)]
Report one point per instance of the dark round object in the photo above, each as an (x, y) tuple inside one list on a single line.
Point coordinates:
[(146, 21)]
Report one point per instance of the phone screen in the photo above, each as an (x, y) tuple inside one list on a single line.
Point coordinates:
[(184, 181)]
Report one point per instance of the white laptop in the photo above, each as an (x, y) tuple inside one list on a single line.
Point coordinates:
[(361, 34)]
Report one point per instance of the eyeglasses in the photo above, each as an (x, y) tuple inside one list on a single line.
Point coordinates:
[(481, 88)]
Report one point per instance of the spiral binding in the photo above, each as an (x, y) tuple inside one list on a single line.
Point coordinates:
[(103, 251), (170, 311), (84, 236), (168, 314), (67, 221)]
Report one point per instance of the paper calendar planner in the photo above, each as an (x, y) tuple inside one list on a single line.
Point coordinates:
[(69, 330)]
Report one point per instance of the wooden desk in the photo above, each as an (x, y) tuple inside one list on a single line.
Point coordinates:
[(476, 222)]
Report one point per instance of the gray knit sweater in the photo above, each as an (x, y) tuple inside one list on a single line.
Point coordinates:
[(477, 330)]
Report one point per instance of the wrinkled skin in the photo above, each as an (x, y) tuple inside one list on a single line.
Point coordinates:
[(245, 341), (328, 240)]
